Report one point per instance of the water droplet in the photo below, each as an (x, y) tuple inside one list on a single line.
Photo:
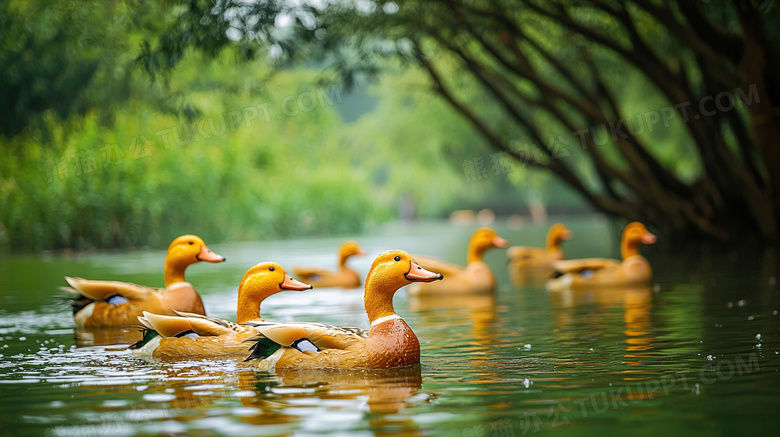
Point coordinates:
[(22, 338), (758, 337), (711, 357), (527, 383), (527, 347), (730, 304), (741, 302), (751, 317), (158, 397)]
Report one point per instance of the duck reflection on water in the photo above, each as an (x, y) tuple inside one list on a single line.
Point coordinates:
[(637, 304), (121, 337)]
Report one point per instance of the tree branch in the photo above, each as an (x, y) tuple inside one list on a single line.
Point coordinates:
[(605, 205)]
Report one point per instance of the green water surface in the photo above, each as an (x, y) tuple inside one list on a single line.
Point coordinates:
[(697, 353)]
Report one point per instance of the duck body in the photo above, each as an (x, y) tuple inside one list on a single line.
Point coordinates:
[(633, 269), (535, 258), (344, 277), (323, 278), (187, 335), (118, 304), (475, 277), (194, 337), (387, 345), (532, 258), (389, 342)]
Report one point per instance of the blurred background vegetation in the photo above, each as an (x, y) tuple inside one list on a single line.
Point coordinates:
[(128, 123), (89, 157)]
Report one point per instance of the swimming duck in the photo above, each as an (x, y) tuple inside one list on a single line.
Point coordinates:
[(633, 269), (194, 335), (344, 277), (388, 343), (530, 258), (476, 277), (118, 304)]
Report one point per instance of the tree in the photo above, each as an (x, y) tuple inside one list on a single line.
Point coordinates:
[(563, 61), (69, 57)]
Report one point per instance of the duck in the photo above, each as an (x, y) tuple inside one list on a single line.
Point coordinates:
[(114, 304), (388, 343), (476, 277), (633, 269), (188, 335), (344, 277), (534, 258)]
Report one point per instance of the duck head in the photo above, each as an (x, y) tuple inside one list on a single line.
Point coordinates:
[(557, 234), (389, 272), (348, 249), (259, 282), (395, 269), (183, 251), (482, 240), (634, 234)]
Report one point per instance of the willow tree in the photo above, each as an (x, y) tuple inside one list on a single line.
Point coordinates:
[(715, 64)]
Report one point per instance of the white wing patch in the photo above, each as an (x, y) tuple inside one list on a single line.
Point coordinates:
[(304, 345), (81, 317)]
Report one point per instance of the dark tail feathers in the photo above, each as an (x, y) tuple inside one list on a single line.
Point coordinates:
[(262, 349), (148, 335)]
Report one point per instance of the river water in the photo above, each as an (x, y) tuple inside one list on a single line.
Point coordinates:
[(698, 353)]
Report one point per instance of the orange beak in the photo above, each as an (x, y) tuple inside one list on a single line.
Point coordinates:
[(500, 242), (648, 238), (566, 235), (419, 274), (292, 284), (360, 251), (207, 255)]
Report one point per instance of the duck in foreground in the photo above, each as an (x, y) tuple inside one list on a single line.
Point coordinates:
[(192, 335), (388, 343), (118, 304), (476, 277), (601, 272), (344, 277), (534, 258)]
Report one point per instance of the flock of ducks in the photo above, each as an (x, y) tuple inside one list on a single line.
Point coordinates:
[(175, 324)]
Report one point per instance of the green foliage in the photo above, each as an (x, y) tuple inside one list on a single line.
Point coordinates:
[(77, 183), (414, 144), (115, 158), (67, 57)]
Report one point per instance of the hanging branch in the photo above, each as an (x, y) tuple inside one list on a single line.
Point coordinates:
[(605, 205)]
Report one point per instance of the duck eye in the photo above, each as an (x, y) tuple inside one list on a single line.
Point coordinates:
[(271, 269), (397, 258), (191, 243)]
